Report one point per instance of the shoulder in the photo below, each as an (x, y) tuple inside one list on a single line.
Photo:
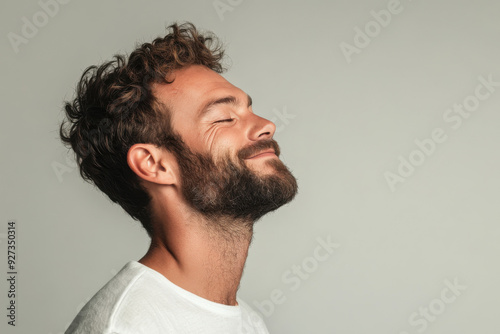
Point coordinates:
[(122, 304)]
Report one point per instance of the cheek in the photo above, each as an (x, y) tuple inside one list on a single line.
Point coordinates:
[(219, 140), (226, 147), (229, 141)]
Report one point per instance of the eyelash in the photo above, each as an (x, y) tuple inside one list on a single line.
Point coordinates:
[(225, 120)]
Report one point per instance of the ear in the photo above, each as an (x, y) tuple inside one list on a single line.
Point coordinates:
[(152, 163)]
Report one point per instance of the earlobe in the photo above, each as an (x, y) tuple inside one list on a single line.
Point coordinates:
[(151, 163)]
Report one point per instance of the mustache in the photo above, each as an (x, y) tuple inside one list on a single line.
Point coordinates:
[(262, 145)]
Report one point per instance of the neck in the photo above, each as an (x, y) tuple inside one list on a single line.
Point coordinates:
[(205, 257)]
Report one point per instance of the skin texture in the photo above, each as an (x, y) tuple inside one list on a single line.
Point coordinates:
[(206, 253)]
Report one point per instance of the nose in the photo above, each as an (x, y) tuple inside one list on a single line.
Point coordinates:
[(261, 128)]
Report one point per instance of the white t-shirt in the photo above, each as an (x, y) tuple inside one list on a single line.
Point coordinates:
[(140, 300)]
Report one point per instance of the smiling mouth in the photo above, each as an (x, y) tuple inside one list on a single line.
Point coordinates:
[(268, 153)]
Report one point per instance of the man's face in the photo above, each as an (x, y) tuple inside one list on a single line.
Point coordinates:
[(224, 171)]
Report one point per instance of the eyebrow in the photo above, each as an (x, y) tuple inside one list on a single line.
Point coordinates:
[(223, 100)]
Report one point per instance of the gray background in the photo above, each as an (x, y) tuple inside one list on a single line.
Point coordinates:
[(341, 126)]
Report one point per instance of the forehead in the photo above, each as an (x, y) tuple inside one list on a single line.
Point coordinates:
[(192, 86)]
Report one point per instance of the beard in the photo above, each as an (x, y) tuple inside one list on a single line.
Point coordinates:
[(224, 188)]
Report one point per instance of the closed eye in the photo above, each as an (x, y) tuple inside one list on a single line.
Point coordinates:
[(225, 120)]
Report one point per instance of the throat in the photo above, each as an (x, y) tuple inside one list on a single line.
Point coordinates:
[(225, 261), (206, 258)]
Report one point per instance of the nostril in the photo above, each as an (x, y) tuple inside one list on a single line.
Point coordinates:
[(265, 133)]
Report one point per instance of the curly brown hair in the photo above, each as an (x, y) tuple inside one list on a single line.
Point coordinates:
[(115, 108)]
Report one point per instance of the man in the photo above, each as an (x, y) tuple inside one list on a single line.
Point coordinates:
[(165, 136)]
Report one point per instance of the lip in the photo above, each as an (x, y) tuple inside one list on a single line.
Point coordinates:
[(266, 153)]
